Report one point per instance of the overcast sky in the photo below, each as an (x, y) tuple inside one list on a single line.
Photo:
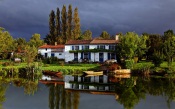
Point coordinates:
[(22, 18)]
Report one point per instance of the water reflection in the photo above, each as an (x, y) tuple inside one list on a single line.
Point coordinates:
[(67, 95), (127, 91)]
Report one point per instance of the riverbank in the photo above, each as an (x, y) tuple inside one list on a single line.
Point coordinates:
[(65, 69), (142, 66)]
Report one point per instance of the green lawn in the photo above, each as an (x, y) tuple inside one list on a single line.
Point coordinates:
[(66, 68)]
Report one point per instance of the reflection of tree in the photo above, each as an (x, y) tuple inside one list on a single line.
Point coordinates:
[(63, 98), (69, 102), (76, 99), (57, 95), (3, 88), (30, 87), (59, 98), (51, 96), (128, 93), (169, 91)]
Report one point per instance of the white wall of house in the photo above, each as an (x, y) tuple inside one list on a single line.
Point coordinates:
[(43, 51), (94, 57), (59, 55), (68, 56)]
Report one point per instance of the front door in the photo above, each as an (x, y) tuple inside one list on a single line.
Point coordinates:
[(101, 57), (76, 57), (45, 55)]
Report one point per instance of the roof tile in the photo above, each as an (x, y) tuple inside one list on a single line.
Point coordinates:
[(52, 46)]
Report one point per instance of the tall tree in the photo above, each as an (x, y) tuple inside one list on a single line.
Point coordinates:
[(69, 23), (105, 35), (50, 38), (152, 46), (141, 48), (64, 23), (57, 25), (169, 46), (76, 24)]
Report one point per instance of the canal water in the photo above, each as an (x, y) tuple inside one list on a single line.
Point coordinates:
[(93, 92)]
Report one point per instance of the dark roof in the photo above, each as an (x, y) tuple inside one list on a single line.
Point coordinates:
[(52, 46)]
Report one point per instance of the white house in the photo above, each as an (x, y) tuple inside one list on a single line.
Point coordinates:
[(52, 51), (96, 50)]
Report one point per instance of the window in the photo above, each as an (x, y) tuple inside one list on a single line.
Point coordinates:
[(85, 55), (52, 55), (72, 47), (60, 53), (102, 47), (46, 49), (86, 47), (112, 47), (76, 47)]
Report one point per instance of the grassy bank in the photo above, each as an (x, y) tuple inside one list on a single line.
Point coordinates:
[(149, 65), (66, 68)]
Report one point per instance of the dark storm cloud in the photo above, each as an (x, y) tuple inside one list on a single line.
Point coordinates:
[(22, 18)]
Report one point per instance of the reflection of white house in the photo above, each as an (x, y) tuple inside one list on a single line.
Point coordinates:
[(94, 83), (95, 50), (52, 51)]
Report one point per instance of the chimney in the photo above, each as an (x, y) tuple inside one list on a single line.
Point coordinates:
[(117, 37), (55, 43)]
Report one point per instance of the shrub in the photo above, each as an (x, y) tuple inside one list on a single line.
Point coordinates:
[(7, 64), (129, 64)]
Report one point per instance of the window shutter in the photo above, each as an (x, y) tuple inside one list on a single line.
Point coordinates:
[(82, 47), (72, 47)]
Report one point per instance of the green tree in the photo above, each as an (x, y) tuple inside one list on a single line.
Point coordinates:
[(6, 42), (105, 35), (35, 40), (20, 44), (128, 44), (69, 23), (76, 24), (87, 35), (169, 46), (151, 45), (30, 54), (64, 23), (141, 48)]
